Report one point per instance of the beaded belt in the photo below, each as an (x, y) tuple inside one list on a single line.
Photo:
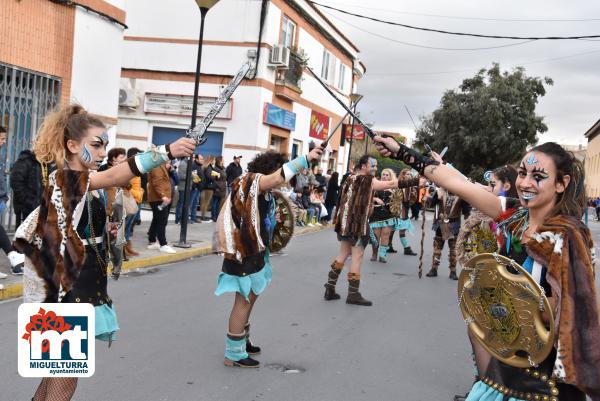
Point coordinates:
[(527, 395)]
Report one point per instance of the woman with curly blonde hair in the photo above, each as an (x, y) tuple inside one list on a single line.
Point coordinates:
[(65, 238)]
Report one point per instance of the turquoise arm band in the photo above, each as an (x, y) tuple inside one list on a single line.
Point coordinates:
[(144, 162), (293, 167)]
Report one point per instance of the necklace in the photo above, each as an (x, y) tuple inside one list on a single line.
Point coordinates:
[(513, 228), (102, 263)]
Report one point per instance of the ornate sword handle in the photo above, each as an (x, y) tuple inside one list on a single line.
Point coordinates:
[(199, 131)]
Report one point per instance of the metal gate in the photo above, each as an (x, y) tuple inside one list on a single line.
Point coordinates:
[(25, 99)]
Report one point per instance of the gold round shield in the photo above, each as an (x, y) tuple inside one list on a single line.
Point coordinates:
[(506, 310), (284, 228)]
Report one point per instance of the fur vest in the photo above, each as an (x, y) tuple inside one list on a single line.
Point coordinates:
[(564, 245), (356, 197), (237, 232), (48, 237)]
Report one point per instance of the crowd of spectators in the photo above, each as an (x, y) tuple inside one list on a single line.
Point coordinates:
[(314, 195)]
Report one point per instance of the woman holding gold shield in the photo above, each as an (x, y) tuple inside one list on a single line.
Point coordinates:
[(544, 234)]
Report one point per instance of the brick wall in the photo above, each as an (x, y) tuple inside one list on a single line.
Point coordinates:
[(38, 35)]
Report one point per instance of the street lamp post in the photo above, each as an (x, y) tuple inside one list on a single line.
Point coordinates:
[(354, 99), (204, 6)]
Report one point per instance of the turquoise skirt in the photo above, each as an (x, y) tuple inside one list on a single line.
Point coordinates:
[(255, 282), (392, 222), (404, 225), (106, 323), (483, 392)]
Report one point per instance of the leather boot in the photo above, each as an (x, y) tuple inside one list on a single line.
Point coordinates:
[(432, 272), (236, 354), (354, 297), (408, 251), (129, 250), (332, 278), (452, 275), (251, 349)]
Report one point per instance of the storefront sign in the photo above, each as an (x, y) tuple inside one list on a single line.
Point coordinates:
[(359, 131), (319, 125), (282, 118), (181, 105)]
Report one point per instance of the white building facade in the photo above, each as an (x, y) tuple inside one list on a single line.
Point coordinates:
[(282, 108)]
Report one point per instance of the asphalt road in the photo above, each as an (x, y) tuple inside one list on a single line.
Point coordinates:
[(409, 346)]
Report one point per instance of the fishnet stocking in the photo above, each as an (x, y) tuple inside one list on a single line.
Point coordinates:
[(56, 389), (40, 393), (240, 313)]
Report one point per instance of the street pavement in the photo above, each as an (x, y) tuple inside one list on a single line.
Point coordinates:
[(409, 346)]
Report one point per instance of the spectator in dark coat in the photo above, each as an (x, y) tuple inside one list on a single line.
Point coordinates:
[(233, 171), (220, 185), (27, 184), (321, 179), (332, 194), (208, 188)]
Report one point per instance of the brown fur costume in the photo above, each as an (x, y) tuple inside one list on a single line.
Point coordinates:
[(48, 237), (563, 245), (237, 232), (356, 197)]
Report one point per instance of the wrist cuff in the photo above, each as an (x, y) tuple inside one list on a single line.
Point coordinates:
[(144, 162), (290, 169)]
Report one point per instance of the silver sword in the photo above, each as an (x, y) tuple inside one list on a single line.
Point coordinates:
[(199, 131)]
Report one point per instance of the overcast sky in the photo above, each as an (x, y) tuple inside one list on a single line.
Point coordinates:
[(399, 74)]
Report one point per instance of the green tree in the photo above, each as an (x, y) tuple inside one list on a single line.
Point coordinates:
[(488, 122)]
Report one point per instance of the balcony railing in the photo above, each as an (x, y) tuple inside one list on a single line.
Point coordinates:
[(291, 77)]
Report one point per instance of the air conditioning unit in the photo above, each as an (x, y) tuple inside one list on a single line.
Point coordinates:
[(280, 56), (128, 98)]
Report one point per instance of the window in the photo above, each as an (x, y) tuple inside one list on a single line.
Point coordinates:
[(288, 33), (328, 68), (296, 148), (341, 77)]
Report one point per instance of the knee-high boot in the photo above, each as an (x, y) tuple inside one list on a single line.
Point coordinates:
[(332, 278), (438, 245), (354, 296), (235, 352), (452, 258)]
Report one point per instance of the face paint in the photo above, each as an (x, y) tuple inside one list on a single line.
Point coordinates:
[(532, 160), (103, 138), (86, 155), (539, 175)]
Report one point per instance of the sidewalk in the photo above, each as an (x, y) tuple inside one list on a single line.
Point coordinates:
[(199, 236)]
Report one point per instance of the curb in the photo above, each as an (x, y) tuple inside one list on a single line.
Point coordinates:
[(16, 290)]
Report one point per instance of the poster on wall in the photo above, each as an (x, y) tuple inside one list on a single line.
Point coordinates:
[(319, 125), (282, 118), (359, 131)]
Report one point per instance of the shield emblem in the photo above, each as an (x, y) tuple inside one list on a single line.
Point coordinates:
[(506, 310)]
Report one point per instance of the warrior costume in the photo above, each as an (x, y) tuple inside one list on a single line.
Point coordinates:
[(446, 226), (383, 216), (65, 246), (244, 234), (560, 258)]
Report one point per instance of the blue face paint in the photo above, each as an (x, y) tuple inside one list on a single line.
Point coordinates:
[(86, 155), (532, 160)]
